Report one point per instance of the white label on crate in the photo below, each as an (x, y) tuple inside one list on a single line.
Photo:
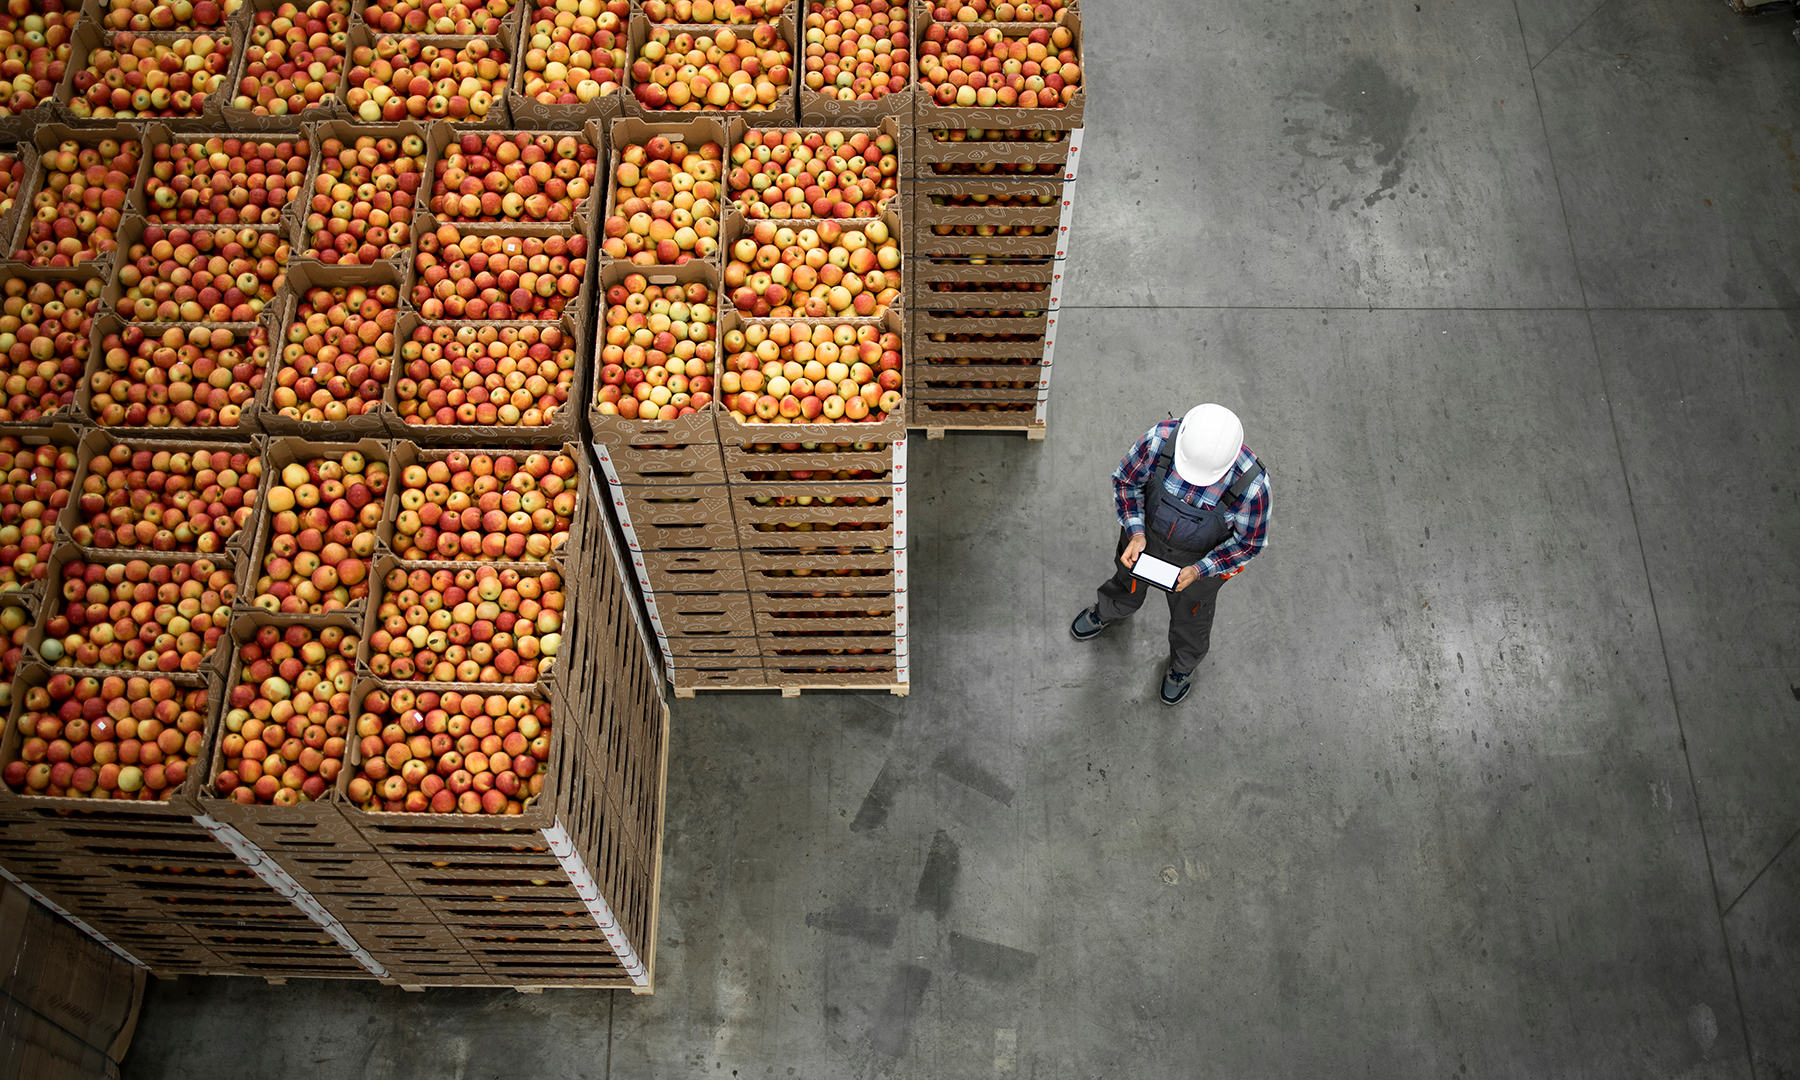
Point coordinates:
[(74, 920), (1068, 209), (1057, 273), (284, 884), (1043, 410), (564, 849), (639, 570), (900, 518), (1074, 163)]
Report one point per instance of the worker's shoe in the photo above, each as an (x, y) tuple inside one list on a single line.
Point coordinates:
[(1087, 625), (1176, 685)]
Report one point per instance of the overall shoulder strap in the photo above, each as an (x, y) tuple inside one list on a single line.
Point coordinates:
[(1165, 458), (1249, 476)]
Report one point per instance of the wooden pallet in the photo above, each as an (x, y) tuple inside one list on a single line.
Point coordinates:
[(1035, 432), (896, 689)]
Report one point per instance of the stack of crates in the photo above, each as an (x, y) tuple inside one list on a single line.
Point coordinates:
[(992, 195)]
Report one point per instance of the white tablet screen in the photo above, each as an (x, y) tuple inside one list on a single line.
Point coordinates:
[(1156, 571)]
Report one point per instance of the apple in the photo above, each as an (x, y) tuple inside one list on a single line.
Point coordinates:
[(460, 17), (787, 173), (12, 177), (289, 66), (225, 181), (1002, 11), (857, 50), (338, 354), (78, 206), (138, 78), (702, 12), (166, 500), (140, 16), (522, 375), (45, 332), (36, 482), (811, 373), (516, 177), (35, 39), (363, 199), (221, 274), (478, 507), (831, 270), (481, 752), (287, 716), (676, 69), (177, 378), (575, 50), (665, 203), (400, 78), (497, 278), (475, 625), (138, 735), (151, 617), (659, 349), (997, 68), (320, 536)]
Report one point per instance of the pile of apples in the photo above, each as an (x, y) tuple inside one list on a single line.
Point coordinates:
[(511, 376), (989, 70), (810, 373), (287, 720), (140, 16), (218, 275), (167, 500), (141, 79), (116, 737), (363, 199), (740, 73), (657, 361), (36, 482), (35, 39), (512, 178), (990, 168), (575, 50), (702, 12), (294, 59), (497, 278), (482, 507), (76, 211), (665, 203), (323, 514), (461, 17), (401, 78), (783, 174), (468, 626), (857, 50), (1001, 11), (197, 377), (450, 752), (224, 181), (338, 354), (44, 344), (1023, 202), (991, 230), (150, 617), (831, 270), (817, 500)]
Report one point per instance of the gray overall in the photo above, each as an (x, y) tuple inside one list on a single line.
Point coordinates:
[(1182, 533)]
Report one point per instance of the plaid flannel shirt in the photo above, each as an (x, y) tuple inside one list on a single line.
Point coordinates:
[(1249, 522)]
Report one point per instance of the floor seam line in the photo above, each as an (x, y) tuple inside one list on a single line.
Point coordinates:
[(612, 1004), (1759, 874), (1565, 37)]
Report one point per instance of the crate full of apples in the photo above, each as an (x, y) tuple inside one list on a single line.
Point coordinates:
[(459, 79), (43, 62), (515, 276), (818, 270), (46, 331), (810, 174), (710, 68), (815, 375), (511, 507), (468, 751), (191, 274), (658, 342), (147, 378), (222, 179), (293, 67), (487, 384), (857, 63), (78, 194), (500, 181), (665, 191), (336, 349), (181, 77), (37, 483), (366, 184), (572, 65), (486, 625), (322, 509), (146, 612), (286, 720), (1036, 82), (168, 497)]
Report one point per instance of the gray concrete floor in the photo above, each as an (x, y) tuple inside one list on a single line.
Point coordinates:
[(1490, 772)]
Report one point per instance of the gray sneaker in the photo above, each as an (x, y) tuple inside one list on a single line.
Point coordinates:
[(1086, 626), (1176, 685)]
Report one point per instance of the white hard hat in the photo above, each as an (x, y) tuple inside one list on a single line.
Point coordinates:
[(1211, 436)]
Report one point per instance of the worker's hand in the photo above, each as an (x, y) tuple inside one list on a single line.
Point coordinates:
[(1189, 575), (1133, 548)]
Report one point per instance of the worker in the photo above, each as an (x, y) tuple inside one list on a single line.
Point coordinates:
[(1192, 494)]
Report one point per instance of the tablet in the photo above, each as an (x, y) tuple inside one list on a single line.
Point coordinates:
[(1157, 572)]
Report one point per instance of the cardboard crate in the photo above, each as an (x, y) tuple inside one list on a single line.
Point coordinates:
[(1037, 153), (895, 125), (683, 452), (280, 452), (608, 348), (564, 424), (45, 137), (736, 433), (248, 121), (821, 109), (1009, 202), (929, 244), (362, 34), (691, 129), (757, 470), (927, 113), (407, 453), (281, 215), (762, 528), (131, 233), (936, 417), (70, 999), (583, 221), (960, 285), (785, 109), (347, 131), (100, 442), (674, 577), (57, 434), (377, 420), (575, 309), (249, 337), (54, 605), (88, 36), (695, 651), (528, 112), (739, 227)]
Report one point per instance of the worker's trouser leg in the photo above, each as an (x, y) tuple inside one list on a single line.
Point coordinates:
[(1190, 611)]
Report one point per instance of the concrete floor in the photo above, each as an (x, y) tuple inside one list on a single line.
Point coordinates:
[(1490, 772)]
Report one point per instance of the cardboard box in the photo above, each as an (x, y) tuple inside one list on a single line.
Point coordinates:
[(895, 125), (689, 651), (949, 245), (1010, 416), (1040, 153), (362, 34), (565, 422), (249, 421), (282, 214), (785, 109), (822, 109), (377, 420), (817, 526), (282, 451), (1009, 202), (680, 452), (928, 114), (131, 234), (71, 1005), (407, 453), (347, 131), (739, 227), (769, 467), (530, 113), (603, 351), (100, 442), (89, 36), (27, 157), (329, 107), (716, 678), (587, 210), (694, 130), (54, 604), (733, 432)]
